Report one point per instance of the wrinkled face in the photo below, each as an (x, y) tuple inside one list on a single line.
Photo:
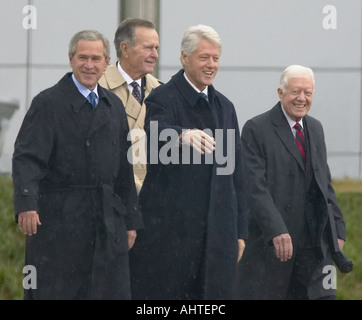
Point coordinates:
[(202, 65), (297, 97), (88, 62), (141, 58)]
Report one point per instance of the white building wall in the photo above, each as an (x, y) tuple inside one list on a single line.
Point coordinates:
[(260, 38)]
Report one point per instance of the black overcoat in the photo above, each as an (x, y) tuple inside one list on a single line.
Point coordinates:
[(193, 212), (275, 182), (70, 165)]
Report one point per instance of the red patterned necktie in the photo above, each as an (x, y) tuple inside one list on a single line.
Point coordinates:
[(300, 140)]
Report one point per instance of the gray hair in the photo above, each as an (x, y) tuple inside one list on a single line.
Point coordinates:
[(89, 35), (195, 34), (295, 71), (126, 32)]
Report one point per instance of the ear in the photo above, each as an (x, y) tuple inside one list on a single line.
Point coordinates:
[(184, 59), (70, 59), (124, 49), (280, 92)]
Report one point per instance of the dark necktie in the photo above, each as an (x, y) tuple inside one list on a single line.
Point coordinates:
[(136, 91), (93, 99), (204, 96), (300, 140)]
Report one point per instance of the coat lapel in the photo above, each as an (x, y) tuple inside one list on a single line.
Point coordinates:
[(312, 141), (285, 134), (101, 114), (118, 85)]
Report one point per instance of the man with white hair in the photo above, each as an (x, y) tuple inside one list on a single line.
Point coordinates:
[(192, 208), (289, 194)]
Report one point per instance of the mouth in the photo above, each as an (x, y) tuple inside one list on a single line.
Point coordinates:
[(208, 73), (300, 106), (89, 74)]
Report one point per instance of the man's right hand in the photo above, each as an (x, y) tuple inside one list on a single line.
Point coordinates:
[(199, 140), (283, 247), (28, 221)]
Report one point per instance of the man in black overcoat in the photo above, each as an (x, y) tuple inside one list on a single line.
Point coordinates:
[(289, 194), (191, 200), (74, 192)]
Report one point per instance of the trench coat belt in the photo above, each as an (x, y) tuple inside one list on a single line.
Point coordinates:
[(110, 199)]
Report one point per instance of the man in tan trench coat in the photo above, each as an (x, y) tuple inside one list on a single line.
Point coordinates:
[(136, 43)]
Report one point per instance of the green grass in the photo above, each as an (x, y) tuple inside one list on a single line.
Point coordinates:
[(349, 286), (12, 242), (12, 246)]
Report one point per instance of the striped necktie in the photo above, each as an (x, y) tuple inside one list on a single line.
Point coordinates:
[(93, 99), (299, 138), (136, 91)]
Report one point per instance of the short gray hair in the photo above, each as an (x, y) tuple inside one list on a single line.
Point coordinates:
[(195, 34), (89, 35), (294, 71), (126, 32)]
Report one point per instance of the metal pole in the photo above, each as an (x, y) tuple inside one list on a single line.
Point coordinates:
[(28, 65), (360, 132), (143, 9)]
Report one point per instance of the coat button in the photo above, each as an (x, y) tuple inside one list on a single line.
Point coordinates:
[(87, 143)]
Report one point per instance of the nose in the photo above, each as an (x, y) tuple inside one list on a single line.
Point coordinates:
[(88, 63), (301, 96), (211, 63), (154, 53)]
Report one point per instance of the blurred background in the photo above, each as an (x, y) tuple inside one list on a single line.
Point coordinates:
[(260, 38)]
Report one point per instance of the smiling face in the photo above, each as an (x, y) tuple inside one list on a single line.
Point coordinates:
[(140, 58), (89, 62), (202, 65), (297, 96)]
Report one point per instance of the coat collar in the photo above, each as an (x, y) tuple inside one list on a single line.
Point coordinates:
[(76, 99), (284, 132), (114, 79), (189, 93)]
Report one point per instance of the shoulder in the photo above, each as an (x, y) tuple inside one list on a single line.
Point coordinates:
[(111, 97), (312, 121), (111, 78), (274, 113), (224, 101), (314, 125), (152, 81), (261, 124), (49, 97), (221, 97), (164, 90)]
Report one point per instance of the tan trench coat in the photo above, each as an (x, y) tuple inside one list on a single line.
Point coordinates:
[(113, 80)]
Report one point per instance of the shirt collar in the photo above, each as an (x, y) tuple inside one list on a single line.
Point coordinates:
[(291, 121), (126, 77), (192, 85), (82, 89)]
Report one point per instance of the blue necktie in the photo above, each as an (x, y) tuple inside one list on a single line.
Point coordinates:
[(136, 91), (93, 99), (204, 96)]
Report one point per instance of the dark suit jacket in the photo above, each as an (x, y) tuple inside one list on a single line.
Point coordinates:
[(70, 164), (279, 196)]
